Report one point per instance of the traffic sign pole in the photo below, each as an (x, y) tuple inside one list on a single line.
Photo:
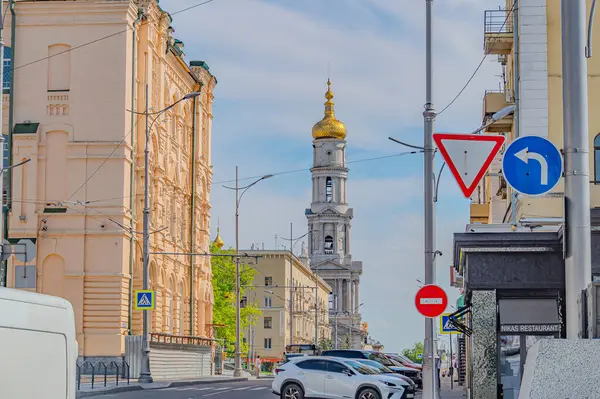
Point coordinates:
[(578, 263), (431, 301), (430, 388)]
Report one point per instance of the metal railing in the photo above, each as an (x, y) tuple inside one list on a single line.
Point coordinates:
[(498, 21), (181, 339), (102, 373)]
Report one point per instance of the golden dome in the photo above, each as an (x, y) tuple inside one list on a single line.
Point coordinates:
[(218, 241), (329, 127)]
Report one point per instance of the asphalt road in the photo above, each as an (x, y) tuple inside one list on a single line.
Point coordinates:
[(257, 389)]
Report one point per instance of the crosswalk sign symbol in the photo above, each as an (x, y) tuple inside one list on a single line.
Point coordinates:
[(144, 300), (445, 326)]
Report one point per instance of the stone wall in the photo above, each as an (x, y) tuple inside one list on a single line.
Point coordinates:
[(484, 345)]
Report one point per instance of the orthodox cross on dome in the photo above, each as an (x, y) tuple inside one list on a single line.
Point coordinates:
[(329, 127)]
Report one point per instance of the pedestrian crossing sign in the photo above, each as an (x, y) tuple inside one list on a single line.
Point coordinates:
[(445, 326), (144, 300)]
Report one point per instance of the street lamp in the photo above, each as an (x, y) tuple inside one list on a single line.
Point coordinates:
[(145, 375), (237, 371)]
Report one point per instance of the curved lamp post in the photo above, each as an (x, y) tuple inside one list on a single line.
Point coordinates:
[(237, 371)]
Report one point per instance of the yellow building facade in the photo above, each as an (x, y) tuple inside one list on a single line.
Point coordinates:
[(277, 271), (532, 81), (81, 68)]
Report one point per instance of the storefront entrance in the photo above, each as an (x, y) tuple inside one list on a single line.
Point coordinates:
[(523, 322)]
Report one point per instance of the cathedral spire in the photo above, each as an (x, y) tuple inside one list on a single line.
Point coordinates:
[(329, 127), (218, 240)]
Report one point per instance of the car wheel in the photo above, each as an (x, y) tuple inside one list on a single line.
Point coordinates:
[(368, 393), (292, 391)]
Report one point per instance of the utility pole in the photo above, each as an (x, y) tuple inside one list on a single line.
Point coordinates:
[(578, 272), (451, 367), (145, 375), (430, 388), (317, 305), (291, 286), (237, 372)]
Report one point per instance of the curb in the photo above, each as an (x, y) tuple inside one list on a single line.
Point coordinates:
[(130, 388), (174, 384), (204, 382)]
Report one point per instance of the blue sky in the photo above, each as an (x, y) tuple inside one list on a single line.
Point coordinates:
[(272, 59)]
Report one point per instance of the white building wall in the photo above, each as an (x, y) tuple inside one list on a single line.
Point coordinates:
[(533, 67)]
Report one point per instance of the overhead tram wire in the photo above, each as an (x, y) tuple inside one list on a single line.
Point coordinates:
[(45, 219), (508, 14), (286, 172), (96, 201), (105, 37)]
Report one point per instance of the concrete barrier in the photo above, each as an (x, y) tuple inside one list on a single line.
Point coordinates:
[(562, 369)]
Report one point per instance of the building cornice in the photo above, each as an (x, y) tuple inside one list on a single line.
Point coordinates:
[(297, 263)]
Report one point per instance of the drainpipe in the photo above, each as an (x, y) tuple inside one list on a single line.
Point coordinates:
[(132, 169), (11, 109), (193, 214), (516, 94)]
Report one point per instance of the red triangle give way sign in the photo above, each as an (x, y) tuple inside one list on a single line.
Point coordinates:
[(468, 156)]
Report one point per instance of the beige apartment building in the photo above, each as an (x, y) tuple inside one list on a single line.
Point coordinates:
[(533, 81), (81, 67), (277, 271)]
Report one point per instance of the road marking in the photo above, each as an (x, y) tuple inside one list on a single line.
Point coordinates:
[(192, 389), (219, 391), (431, 301), (258, 388), (240, 389)]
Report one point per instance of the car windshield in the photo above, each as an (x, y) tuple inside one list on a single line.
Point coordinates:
[(396, 363), (378, 366), (381, 359), (361, 368)]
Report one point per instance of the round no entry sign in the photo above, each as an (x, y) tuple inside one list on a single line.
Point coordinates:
[(431, 300)]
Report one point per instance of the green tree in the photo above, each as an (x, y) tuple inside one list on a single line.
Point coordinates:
[(345, 343), (223, 282), (325, 344), (412, 353)]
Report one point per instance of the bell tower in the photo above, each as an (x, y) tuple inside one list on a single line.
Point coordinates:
[(329, 220)]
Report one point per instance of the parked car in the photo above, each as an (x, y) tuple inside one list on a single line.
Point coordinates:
[(381, 369), (411, 373), (326, 377), (405, 361)]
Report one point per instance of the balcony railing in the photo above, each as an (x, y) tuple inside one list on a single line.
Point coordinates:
[(498, 32), (498, 22)]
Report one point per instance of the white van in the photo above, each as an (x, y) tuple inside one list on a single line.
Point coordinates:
[(38, 348)]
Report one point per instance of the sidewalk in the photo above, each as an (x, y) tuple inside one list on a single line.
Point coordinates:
[(87, 390), (447, 393)]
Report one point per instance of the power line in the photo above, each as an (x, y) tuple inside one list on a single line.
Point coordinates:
[(105, 37), (308, 169), (508, 14)]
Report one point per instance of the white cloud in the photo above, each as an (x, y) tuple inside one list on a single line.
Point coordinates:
[(270, 56), (272, 63)]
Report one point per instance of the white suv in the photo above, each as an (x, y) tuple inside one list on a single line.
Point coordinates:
[(328, 377)]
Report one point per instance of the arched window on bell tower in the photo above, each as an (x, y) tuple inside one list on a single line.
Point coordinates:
[(328, 190), (328, 245)]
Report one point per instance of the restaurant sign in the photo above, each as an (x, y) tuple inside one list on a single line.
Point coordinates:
[(529, 328)]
